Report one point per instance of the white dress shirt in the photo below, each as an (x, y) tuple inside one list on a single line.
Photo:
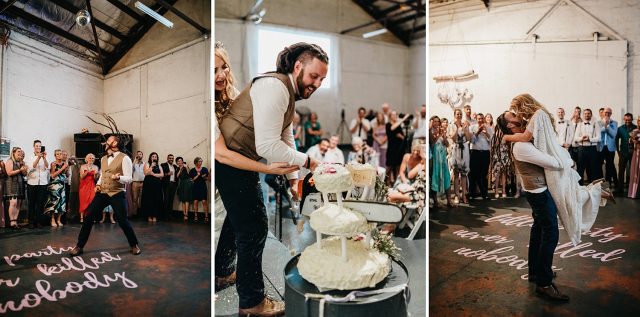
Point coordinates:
[(138, 172), (172, 178), (527, 152), (127, 168), (38, 175), (421, 130), (589, 128), (270, 99), (361, 131), (565, 135), (334, 156), (480, 141)]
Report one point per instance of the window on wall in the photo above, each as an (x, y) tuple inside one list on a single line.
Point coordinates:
[(272, 40)]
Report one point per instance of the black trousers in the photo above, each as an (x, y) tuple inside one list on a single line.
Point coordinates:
[(610, 174), (94, 213), (588, 159), (168, 191), (573, 151), (478, 173), (544, 236), (37, 196), (623, 172), (244, 232)]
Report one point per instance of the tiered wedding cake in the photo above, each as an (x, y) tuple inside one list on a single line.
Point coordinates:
[(338, 262)]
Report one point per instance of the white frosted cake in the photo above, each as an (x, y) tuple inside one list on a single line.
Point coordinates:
[(325, 268), (332, 178), (329, 219), (362, 174)]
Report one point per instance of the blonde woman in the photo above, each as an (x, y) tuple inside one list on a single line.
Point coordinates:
[(57, 201), (89, 174), (14, 186)]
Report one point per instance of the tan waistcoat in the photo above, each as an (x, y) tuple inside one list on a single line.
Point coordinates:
[(111, 186), (237, 124), (532, 175)]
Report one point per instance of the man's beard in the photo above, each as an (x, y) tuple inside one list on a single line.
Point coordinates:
[(302, 89)]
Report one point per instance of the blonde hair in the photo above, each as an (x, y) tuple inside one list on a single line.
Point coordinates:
[(86, 158), (524, 106), (226, 95), (13, 154)]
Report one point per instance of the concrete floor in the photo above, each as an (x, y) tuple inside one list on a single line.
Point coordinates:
[(460, 284), (171, 277)]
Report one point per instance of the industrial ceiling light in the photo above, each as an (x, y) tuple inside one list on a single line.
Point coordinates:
[(83, 18), (154, 14), (374, 33)]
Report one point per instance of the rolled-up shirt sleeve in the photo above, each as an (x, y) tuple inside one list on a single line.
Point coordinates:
[(270, 99), (127, 171)]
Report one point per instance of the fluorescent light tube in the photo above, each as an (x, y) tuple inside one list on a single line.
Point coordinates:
[(154, 14), (374, 33)]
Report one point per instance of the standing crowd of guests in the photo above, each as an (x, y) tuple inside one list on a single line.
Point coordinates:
[(66, 185), (468, 156)]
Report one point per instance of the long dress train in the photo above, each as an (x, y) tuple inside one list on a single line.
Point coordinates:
[(577, 205)]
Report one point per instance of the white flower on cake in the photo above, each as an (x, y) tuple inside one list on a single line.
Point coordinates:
[(332, 178), (329, 219), (324, 267)]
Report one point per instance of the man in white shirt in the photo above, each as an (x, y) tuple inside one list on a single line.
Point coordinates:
[(259, 125), (334, 154), (530, 164), (136, 184), (420, 123), (480, 157), (587, 136), (317, 152), (115, 173), (360, 126), (386, 111), (37, 181), (565, 135), (468, 115), (169, 185)]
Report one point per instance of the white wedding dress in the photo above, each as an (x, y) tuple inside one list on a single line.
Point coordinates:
[(577, 205)]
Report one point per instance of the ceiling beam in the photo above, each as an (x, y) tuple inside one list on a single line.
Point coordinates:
[(183, 17), (373, 12), (7, 5), (407, 18), (135, 34), (123, 7), (50, 27), (103, 26), (95, 36), (381, 20)]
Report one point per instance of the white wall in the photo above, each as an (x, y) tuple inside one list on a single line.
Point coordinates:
[(165, 104), (577, 72), (46, 97), (417, 81), (370, 73)]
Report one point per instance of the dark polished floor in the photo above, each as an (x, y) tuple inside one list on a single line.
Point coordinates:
[(478, 253), (171, 277)]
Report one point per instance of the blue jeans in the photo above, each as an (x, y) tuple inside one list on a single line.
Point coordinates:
[(544, 236)]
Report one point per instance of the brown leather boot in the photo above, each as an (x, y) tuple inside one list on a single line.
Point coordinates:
[(223, 282), (267, 308)]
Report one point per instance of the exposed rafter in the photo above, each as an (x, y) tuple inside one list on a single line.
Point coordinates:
[(103, 26), (126, 9), (394, 15), (183, 16)]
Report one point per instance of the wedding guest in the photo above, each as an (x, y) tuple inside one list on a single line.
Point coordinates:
[(587, 136), (573, 126), (199, 174), (4, 213), (136, 184), (37, 182), (624, 147), (501, 165), (380, 139), (319, 151), (440, 177), (634, 176), (469, 116), (151, 200), (334, 154), (488, 119), (360, 126), (185, 187), (14, 186), (56, 203), (607, 146), (107, 211), (409, 162), (73, 199), (460, 159), (420, 123), (562, 127), (67, 183), (89, 174), (297, 130), (362, 153), (481, 135), (395, 148), (313, 131), (169, 185), (386, 111)]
